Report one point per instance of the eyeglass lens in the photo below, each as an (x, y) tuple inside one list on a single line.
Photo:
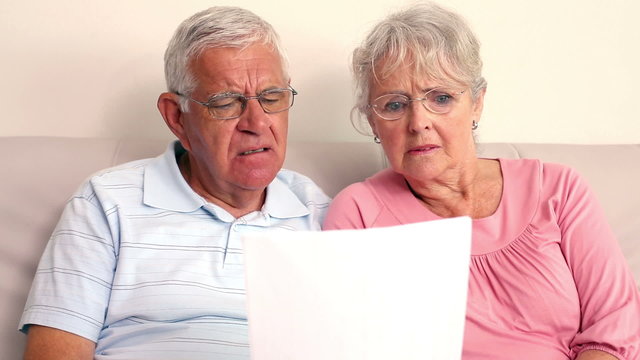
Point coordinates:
[(394, 106)]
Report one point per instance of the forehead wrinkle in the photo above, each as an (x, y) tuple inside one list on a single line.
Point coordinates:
[(240, 75), (261, 75)]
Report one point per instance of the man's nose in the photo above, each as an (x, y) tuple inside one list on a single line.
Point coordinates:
[(254, 119)]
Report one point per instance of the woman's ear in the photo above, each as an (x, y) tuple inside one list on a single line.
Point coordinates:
[(372, 124), (169, 107), (478, 105)]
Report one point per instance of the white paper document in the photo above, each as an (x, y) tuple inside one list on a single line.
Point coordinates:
[(383, 293)]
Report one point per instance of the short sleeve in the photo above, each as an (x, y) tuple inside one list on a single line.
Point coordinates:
[(609, 298), (72, 284)]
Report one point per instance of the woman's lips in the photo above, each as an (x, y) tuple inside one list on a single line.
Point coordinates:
[(423, 149)]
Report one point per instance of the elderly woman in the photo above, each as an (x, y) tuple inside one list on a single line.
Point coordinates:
[(547, 279)]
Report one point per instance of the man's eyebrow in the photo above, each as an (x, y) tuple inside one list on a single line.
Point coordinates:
[(273, 87), (233, 93), (222, 94)]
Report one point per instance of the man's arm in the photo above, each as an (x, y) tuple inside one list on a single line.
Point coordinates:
[(595, 355), (46, 343)]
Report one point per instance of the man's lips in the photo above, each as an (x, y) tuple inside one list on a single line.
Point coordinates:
[(254, 151)]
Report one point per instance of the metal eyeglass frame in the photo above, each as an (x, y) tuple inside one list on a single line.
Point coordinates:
[(421, 99), (243, 99)]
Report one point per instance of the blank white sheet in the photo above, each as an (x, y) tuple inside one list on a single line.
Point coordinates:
[(382, 293)]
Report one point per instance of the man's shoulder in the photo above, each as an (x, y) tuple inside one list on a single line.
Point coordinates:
[(129, 174), (123, 172), (135, 169)]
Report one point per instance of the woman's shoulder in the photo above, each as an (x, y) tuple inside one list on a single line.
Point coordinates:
[(366, 190), (534, 178), (528, 167), (361, 204)]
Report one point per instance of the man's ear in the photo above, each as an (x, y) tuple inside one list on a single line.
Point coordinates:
[(169, 107)]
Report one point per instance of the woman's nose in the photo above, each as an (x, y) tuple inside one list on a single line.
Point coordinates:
[(419, 117)]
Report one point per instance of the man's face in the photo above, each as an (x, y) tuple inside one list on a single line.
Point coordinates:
[(229, 156)]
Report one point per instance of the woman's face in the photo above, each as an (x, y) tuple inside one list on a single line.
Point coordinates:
[(421, 145)]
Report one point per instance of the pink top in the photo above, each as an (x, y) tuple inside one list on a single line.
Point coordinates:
[(547, 278)]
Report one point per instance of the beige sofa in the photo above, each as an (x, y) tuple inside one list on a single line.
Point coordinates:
[(39, 173)]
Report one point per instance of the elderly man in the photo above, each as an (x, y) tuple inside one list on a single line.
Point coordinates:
[(145, 262)]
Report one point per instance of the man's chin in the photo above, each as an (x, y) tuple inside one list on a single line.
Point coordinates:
[(257, 179)]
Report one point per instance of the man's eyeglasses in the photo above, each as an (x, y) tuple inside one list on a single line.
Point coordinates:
[(394, 106), (227, 106)]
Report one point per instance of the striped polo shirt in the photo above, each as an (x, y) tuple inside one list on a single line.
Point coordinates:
[(148, 269)]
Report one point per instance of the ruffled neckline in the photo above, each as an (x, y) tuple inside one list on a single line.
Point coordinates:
[(512, 217)]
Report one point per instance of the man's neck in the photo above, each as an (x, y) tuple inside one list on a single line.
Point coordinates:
[(237, 203)]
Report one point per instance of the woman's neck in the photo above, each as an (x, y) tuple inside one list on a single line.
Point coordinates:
[(474, 190)]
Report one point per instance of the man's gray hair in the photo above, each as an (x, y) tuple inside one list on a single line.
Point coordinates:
[(216, 27), (437, 42)]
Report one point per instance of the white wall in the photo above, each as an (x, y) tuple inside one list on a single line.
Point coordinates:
[(558, 70)]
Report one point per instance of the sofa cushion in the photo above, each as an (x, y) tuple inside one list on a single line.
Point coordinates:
[(40, 173)]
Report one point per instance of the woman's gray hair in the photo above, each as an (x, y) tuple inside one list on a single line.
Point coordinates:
[(216, 27), (437, 42)]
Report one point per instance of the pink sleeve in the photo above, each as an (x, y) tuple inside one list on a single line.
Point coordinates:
[(344, 211), (609, 298)]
